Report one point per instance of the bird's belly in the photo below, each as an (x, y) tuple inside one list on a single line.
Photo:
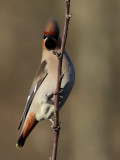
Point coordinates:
[(45, 112), (44, 107)]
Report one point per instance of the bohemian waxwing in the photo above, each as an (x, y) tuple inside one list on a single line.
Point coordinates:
[(40, 102)]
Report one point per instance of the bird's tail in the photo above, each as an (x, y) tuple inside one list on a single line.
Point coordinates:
[(30, 123), (20, 142)]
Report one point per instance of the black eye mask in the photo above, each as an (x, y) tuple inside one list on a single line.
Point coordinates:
[(50, 42)]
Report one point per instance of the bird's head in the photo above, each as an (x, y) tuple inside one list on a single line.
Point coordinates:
[(51, 38)]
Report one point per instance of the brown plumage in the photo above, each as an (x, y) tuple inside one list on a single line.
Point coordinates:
[(52, 27)]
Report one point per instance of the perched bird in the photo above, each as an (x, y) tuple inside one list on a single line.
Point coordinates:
[(40, 102)]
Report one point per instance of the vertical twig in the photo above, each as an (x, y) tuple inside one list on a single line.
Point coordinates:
[(56, 101)]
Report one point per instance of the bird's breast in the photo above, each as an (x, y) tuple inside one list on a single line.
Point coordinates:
[(43, 102)]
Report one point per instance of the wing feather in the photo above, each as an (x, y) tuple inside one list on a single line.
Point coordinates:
[(39, 78)]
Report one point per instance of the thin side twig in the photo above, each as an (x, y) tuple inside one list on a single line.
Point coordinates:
[(56, 101)]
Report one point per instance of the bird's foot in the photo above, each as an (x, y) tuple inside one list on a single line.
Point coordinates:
[(52, 126), (58, 54), (51, 120), (52, 94), (57, 128)]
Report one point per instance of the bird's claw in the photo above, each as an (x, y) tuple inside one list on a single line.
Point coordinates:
[(58, 54), (51, 120), (52, 94), (57, 128), (52, 126)]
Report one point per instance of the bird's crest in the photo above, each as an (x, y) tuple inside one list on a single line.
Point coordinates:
[(52, 27)]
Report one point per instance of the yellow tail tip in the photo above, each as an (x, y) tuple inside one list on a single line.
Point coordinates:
[(17, 146)]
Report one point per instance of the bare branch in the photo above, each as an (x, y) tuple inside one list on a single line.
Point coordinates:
[(60, 76)]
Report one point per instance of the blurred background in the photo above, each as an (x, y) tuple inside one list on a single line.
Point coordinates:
[(91, 116)]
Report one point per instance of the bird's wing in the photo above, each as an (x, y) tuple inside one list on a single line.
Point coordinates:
[(39, 78)]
